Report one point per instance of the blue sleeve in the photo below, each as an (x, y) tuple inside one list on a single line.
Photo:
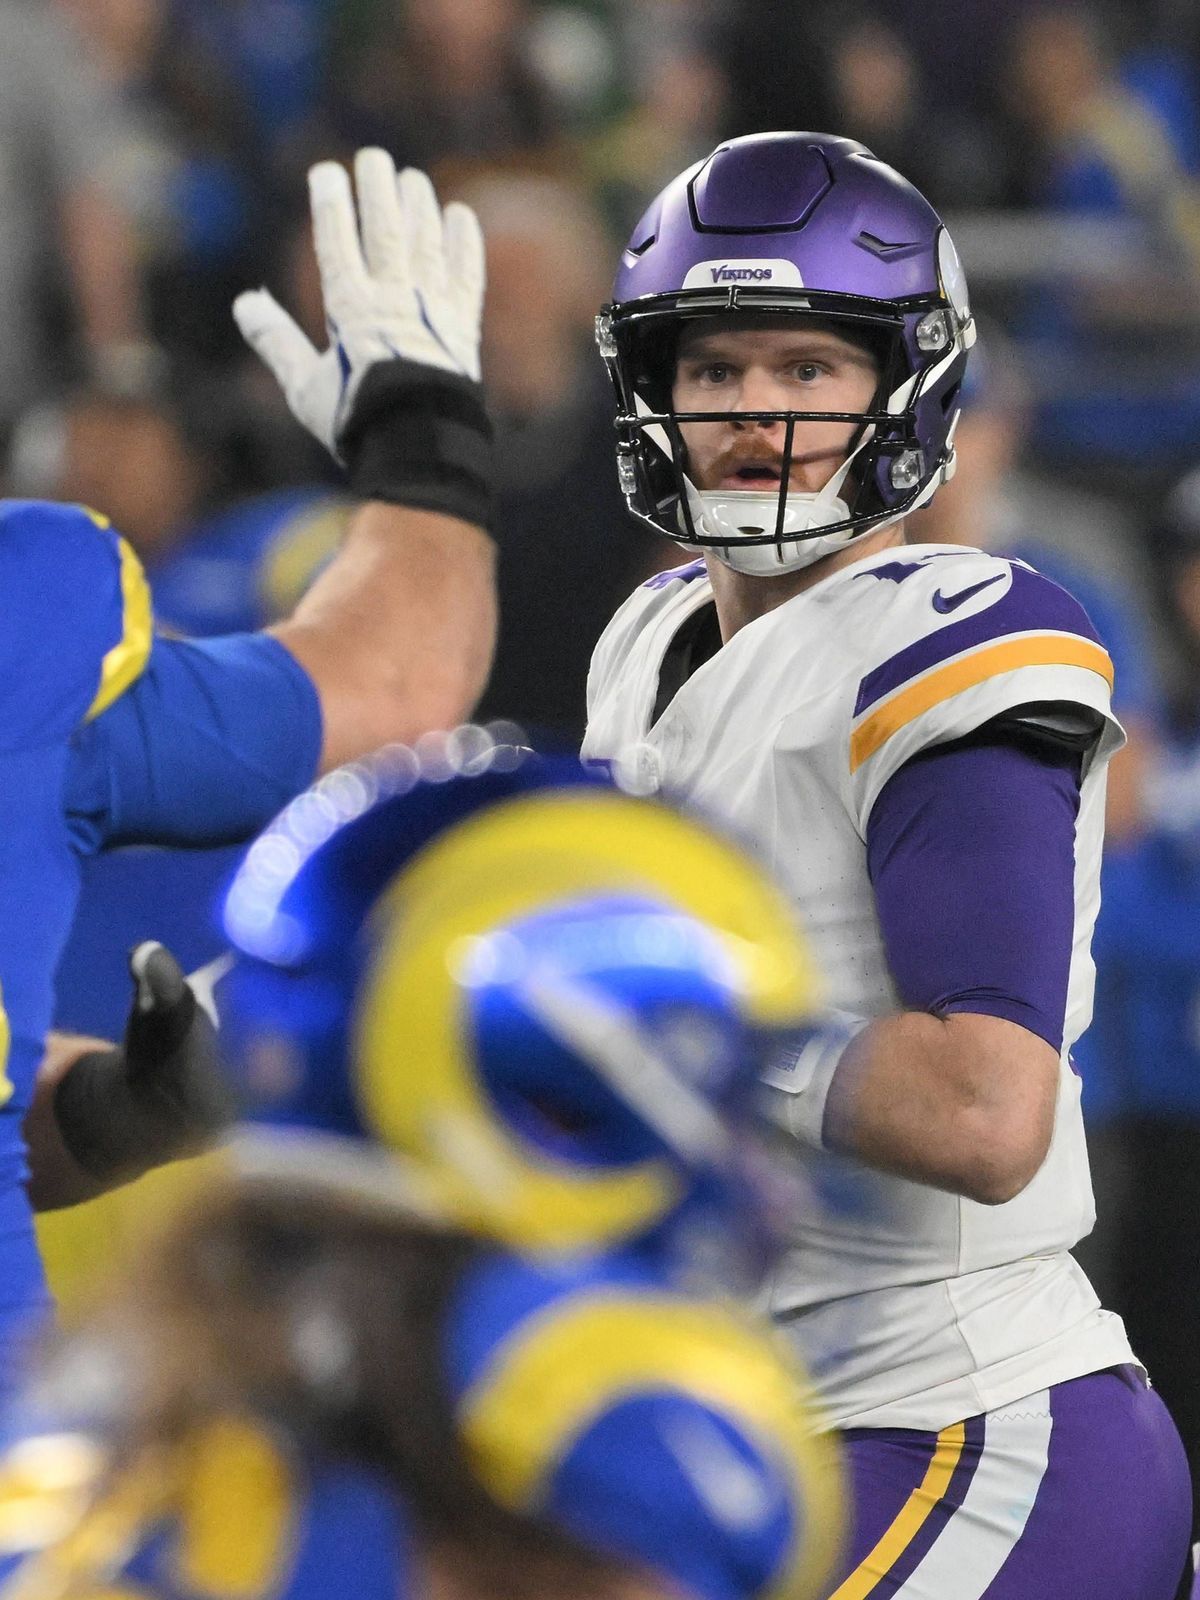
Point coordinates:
[(77, 620), (971, 853), (214, 738)]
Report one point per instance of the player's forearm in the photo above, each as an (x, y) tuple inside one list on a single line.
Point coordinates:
[(964, 1103), (398, 633)]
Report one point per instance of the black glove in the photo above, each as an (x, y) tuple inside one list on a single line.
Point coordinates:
[(161, 1095)]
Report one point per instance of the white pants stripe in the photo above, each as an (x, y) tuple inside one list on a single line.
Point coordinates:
[(976, 1541)]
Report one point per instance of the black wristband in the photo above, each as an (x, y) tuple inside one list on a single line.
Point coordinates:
[(418, 436)]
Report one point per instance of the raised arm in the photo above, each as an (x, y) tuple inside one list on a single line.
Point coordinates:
[(395, 637), (392, 641), (397, 634)]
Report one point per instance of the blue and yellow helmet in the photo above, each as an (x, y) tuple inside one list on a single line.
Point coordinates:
[(554, 994)]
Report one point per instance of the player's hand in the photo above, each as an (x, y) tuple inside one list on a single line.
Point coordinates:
[(401, 281), (159, 1096), (172, 1064)]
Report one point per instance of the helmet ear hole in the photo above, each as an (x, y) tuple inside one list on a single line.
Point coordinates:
[(651, 363)]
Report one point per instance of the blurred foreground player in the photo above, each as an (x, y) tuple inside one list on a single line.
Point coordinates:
[(260, 1413), (557, 999), (915, 737), (557, 1112), (110, 734), (581, 1057)]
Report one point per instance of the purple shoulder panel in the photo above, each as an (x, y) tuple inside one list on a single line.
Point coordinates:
[(684, 574), (1031, 603)]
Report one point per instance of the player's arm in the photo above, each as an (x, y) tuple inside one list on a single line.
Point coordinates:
[(102, 1113), (395, 637), (397, 633), (971, 851), (963, 1102)]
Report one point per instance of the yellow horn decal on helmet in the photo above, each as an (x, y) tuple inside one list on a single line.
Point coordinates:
[(417, 1082), (563, 1368)]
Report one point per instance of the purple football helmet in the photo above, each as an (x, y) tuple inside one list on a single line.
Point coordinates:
[(794, 225)]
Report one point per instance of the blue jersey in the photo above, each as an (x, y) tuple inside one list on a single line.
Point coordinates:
[(239, 570), (249, 563), (665, 1432), (108, 734)]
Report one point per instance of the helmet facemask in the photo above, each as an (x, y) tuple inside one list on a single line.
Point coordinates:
[(920, 351)]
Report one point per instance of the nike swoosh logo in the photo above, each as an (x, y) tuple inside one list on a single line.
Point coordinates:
[(945, 603)]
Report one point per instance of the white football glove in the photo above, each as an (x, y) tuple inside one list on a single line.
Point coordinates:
[(412, 288)]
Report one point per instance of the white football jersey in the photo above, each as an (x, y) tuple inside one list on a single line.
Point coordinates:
[(913, 1307)]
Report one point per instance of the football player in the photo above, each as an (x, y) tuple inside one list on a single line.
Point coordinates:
[(555, 998), (232, 1422), (499, 973), (916, 738), (558, 1110), (110, 734)]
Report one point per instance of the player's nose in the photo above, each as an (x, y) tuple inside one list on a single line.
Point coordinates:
[(760, 390)]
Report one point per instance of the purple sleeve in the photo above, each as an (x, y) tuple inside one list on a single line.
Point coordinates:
[(971, 853)]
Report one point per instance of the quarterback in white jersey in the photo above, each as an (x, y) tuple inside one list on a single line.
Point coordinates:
[(915, 737)]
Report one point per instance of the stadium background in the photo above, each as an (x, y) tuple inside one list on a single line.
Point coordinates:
[(152, 158)]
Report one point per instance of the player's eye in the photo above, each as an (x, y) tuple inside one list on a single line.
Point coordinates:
[(715, 372), (808, 371)]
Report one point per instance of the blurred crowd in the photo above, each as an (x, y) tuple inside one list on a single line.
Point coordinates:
[(152, 159)]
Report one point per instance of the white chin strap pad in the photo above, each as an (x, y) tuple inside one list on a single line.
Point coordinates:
[(730, 517), (735, 515)]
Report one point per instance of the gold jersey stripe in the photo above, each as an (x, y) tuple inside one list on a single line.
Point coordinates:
[(1032, 650), (126, 661)]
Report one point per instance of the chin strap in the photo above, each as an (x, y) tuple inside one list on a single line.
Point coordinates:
[(733, 514)]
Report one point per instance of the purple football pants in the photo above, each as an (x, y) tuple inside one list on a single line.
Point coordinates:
[(1079, 1492)]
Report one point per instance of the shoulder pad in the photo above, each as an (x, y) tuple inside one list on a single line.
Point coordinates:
[(688, 573), (968, 638), (650, 601), (79, 622)]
